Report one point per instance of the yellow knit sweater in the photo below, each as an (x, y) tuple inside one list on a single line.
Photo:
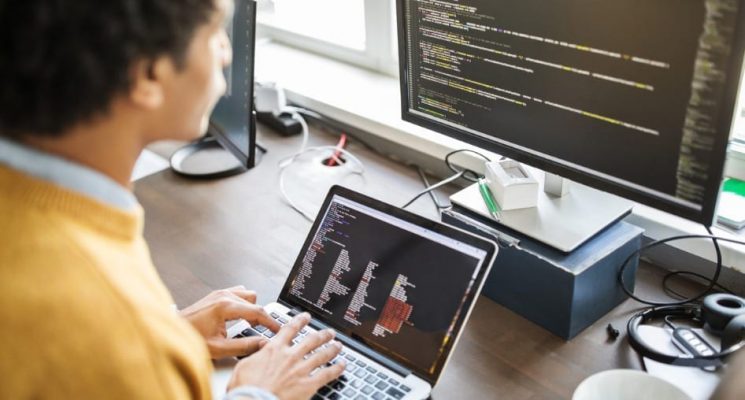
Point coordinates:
[(83, 313)]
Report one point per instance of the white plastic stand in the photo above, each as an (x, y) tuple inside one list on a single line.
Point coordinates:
[(563, 222)]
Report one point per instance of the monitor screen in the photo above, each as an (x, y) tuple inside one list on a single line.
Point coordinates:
[(634, 97), (231, 122), (400, 287)]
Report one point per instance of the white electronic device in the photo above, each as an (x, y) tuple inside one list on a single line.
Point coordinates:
[(270, 98), (512, 185), (731, 210)]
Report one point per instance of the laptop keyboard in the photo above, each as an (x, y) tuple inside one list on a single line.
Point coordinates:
[(361, 379)]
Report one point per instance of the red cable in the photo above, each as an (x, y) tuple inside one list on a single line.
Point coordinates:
[(337, 154)]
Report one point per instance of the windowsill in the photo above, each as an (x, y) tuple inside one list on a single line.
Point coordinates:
[(370, 101)]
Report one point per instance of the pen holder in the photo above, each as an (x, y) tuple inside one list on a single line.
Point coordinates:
[(512, 185)]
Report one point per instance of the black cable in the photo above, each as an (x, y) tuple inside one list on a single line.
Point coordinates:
[(669, 322), (467, 173), (432, 194), (715, 279), (443, 182), (675, 294), (713, 282)]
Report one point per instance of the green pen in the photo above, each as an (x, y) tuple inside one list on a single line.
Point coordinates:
[(488, 197)]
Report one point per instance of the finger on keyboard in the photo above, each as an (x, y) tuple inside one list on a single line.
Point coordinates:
[(322, 357), (291, 329), (312, 341)]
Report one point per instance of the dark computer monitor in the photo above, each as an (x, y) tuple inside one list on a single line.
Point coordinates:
[(633, 97), (232, 124)]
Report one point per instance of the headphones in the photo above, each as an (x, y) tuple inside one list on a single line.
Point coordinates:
[(721, 314)]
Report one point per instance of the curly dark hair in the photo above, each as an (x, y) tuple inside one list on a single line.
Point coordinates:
[(62, 62)]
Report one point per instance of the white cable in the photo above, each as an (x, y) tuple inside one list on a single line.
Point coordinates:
[(306, 132), (296, 113), (305, 111), (271, 98), (286, 162)]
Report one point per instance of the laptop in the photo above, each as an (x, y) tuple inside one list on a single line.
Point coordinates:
[(396, 287)]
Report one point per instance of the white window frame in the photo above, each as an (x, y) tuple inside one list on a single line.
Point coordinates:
[(378, 54), (736, 151)]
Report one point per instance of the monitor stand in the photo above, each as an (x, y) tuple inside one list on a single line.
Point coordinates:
[(562, 222), (206, 158)]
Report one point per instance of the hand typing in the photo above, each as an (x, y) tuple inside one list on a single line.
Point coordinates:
[(209, 315), (281, 368)]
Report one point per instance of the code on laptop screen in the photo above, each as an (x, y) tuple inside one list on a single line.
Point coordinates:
[(394, 285)]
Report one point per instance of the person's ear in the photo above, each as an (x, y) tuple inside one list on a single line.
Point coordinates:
[(149, 80)]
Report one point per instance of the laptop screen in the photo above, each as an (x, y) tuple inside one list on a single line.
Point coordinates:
[(401, 284)]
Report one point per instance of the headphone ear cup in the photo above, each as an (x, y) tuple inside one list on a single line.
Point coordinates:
[(734, 332), (719, 309)]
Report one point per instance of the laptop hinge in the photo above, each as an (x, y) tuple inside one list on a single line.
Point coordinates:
[(354, 345)]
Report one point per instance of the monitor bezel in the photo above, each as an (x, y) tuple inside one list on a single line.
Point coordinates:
[(704, 215), (245, 13), (476, 241)]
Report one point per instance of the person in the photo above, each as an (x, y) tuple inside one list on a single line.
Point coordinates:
[(85, 86)]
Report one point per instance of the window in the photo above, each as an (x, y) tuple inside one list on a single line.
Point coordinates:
[(360, 32), (336, 21), (735, 167), (738, 130), (738, 133)]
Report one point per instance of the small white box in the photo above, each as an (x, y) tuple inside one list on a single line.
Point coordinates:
[(731, 210), (512, 185)]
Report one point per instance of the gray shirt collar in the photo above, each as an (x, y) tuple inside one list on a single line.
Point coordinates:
[(65, 173)]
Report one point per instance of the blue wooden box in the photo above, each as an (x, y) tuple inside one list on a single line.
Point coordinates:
[(562, 292)]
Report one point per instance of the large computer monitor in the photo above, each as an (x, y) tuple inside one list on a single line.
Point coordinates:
[(232, 121), (633, 97), (232, 125)]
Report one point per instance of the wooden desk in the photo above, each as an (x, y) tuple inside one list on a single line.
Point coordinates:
[(207, 235)]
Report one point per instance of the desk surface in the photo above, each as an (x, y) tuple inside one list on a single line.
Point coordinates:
[(207, 235)]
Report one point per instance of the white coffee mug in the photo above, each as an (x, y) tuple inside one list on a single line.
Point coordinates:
[(627, 384)]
